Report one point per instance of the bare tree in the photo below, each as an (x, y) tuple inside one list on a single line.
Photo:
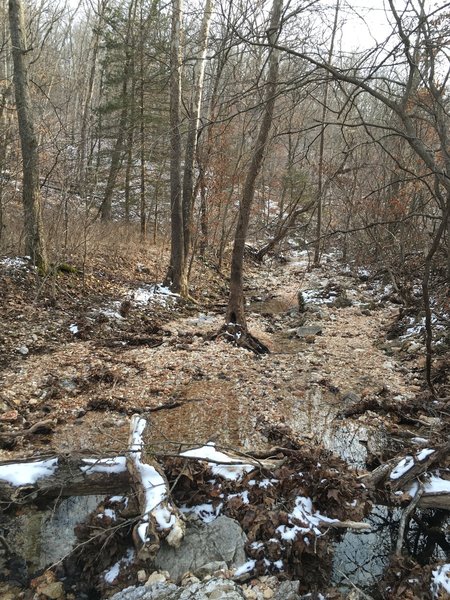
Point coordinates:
[(235, 315), (34, 237), (176, 275)]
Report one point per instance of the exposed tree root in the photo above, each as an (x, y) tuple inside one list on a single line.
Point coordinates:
[(239, 336)]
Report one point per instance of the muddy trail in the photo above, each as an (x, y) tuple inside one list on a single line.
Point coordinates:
[(138, 350)]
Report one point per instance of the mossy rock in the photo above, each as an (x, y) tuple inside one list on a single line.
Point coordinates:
[(66, 268)]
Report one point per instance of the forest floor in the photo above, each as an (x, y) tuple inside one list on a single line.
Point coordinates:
[(82, 352)]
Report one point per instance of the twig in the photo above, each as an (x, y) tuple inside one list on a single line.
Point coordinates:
[(408, 510), (363, 595)]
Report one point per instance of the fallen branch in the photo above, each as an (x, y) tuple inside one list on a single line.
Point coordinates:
[(358, 525), (23, 481), (159, 516), (406, 513)]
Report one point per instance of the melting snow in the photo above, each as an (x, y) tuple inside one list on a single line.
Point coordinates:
[(245, 568), (205, 512), (223, 465), (153, 484), (403, 466), (115, 464), (17, 262), (423, 454), (113, 572), (303, 512), (440, 581), (28, 473), (153, 293), (433, 485)]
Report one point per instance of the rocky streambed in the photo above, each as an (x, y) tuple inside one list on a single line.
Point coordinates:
[(332, 388)]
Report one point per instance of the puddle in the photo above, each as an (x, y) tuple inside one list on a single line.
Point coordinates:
[(362, 557)]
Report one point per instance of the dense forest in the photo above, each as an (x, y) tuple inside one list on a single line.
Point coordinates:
[(246, 199)]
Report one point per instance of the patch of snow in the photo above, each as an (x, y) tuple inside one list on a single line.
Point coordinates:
[(108, 513), (18, 474), (122, 499), (423, 454), (222, 465), (243, 495), (157, 293), (111, 574), (245, 568), (432, 485), (279, 565), (303, 513), (256, 545), (116, 464), (402, 467), (154, 486), (15, 263), (265, 483), (73, 328), (440, 581), (205, 512), (420, 441)]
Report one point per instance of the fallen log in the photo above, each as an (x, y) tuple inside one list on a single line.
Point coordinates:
[(160, 518), (24, 481), (403, 474)]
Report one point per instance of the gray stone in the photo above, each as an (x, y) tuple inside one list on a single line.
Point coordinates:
[(309, 330), (214, 589), (221, 540), (287, 590), (211, 568), (351, 398)]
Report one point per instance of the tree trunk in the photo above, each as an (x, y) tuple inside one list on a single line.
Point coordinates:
[(235, 311), (118, 150), (191, 143), (317, 246), (176, 273), (34, 238)]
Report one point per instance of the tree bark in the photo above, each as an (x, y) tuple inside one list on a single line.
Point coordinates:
[(235, 311), (317, 246), (176, 276), (118, 150), (31, 196), (191, 143)]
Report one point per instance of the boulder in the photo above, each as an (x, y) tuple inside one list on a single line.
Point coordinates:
[(222, 541)]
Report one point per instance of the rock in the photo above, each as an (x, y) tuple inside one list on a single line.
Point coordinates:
[(308, 330), (211, 568), (142, 576), (221, 540), (156, 577), (189, 579), (23, 350), (351, 398), (288, 590), (54, 590), (214, 589), (268, 593)]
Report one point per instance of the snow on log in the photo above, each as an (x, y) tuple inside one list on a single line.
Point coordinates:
[(24, 480), (159, 516), (226, 465)]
